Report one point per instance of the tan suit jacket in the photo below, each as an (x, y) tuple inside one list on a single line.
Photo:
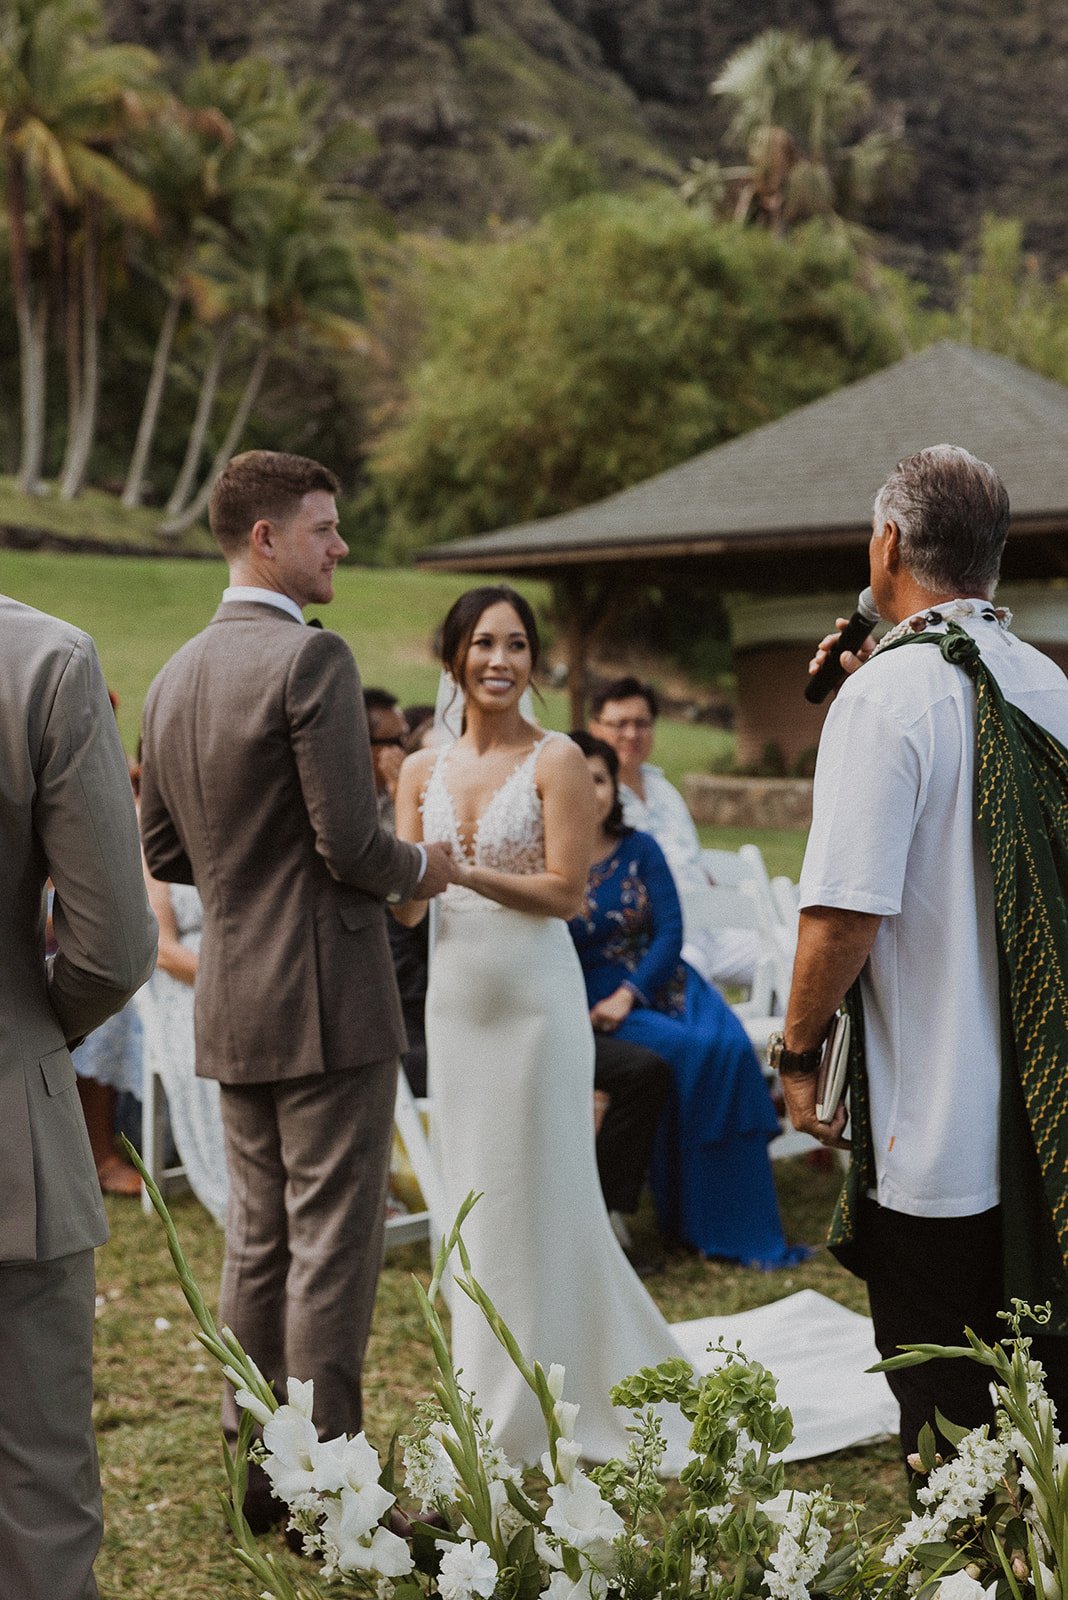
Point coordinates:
[(257, 786), (66, 811)]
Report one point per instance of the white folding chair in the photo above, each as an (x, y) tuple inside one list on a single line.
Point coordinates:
[(786, 894), (169, 1180), (726, 868), (408, 1119), (762, 1014)]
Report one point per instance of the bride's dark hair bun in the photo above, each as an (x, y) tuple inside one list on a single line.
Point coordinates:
[(459, 626)]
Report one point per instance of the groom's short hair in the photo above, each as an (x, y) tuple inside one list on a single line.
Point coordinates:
[(267, 484)]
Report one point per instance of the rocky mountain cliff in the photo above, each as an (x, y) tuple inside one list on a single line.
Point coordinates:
[(462, 94)]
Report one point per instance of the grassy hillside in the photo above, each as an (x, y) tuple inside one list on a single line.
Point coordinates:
[(139, 611), (95, 521)]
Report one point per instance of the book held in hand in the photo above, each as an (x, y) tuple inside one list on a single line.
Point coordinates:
[(833, 1068)]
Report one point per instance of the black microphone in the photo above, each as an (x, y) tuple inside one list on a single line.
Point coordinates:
[(830, 673)]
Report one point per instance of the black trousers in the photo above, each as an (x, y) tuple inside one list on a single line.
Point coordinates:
[(637, 1082), (929, 1278)]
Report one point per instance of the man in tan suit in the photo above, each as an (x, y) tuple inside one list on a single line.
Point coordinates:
[(66, 811), (257, 786)]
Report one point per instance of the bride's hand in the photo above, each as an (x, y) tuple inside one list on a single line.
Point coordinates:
[(461, 868), (608, 1013)]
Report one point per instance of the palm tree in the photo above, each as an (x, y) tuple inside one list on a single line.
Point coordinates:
[(797, 104), (65, 101), (291, 276), (193, 163), (245, 131)]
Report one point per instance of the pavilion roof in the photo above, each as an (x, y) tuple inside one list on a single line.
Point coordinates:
[(805, 483)]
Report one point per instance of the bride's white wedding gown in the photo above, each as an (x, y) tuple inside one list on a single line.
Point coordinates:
[(510, 1053)]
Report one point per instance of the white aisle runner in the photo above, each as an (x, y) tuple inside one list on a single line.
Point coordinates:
[(818, 1352)]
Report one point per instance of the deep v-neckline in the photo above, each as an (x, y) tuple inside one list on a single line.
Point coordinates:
[(471, 855)]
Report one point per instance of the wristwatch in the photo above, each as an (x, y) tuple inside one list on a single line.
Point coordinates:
[(792, 1063)]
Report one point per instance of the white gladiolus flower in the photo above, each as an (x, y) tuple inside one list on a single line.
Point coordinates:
[(565, 1412), (591, 1586), (297, 1463), (960, 1586), (301, 1395), (383, 1555), (582, 1518), (555, 1380), (568, 1455), (507, 1521), (248, 1402), (466, 1570), (362, 1468)]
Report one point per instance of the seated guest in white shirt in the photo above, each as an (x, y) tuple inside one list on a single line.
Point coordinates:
[(624, 715)]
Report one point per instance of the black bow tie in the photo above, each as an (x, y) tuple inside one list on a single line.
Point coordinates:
[(313, 622)]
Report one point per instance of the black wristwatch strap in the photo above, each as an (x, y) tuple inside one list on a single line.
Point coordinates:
[(799, 1063), (793, 1063)]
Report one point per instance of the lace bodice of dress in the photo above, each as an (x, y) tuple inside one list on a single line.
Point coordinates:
[(510, 833)]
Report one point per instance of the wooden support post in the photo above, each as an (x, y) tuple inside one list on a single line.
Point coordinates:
[(577, 646)]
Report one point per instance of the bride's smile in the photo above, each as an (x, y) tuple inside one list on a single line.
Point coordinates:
[(498, 663)]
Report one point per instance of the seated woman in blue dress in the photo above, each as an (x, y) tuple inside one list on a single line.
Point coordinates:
[(711, 1175)]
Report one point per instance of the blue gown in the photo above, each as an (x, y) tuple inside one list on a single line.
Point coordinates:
[(710, 1175)]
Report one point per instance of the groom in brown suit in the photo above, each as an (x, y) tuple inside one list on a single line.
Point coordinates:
[(257, 787), (66, 811)]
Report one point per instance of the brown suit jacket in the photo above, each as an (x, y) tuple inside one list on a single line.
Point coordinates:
[(257, 787), (66, 811)]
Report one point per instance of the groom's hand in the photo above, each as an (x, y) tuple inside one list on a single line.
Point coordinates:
[(440, 871)]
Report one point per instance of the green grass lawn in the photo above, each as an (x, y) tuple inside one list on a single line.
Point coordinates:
[(139, 611), (158, 1394)]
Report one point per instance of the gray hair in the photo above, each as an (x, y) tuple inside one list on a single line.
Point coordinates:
[(952, 513)]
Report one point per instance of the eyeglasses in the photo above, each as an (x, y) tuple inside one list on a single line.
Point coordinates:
[(396, 741), (633, 724)]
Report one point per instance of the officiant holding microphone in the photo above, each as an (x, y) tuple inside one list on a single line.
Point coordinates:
[(952, 1092)]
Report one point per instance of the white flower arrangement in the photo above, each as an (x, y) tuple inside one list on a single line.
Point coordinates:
[(992, 1521), (989, 1524)]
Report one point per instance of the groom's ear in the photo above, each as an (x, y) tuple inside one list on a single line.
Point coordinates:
[(263, 538)]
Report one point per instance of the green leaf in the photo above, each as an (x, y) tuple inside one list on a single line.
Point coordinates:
[(952, 1430), (927, 1448)]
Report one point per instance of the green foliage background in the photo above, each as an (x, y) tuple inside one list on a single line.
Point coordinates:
[(614, 338)]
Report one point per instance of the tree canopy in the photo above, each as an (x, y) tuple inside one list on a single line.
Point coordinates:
[(611, 340)]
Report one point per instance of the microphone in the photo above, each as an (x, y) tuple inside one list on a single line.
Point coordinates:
[(831, 672)]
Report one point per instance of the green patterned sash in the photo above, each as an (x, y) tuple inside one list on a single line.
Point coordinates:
[(1021, 800)]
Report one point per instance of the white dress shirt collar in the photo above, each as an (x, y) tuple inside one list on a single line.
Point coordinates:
[(263, 597)]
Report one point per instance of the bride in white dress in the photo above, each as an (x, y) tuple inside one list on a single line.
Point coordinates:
[(510, 1048)]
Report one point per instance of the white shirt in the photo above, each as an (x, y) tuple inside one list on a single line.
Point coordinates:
[(263, 597), (894, 834), (721, 955), (665, 815)]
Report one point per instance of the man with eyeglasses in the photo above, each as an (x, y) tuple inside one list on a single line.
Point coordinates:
[(389, 741), (623, 714)]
